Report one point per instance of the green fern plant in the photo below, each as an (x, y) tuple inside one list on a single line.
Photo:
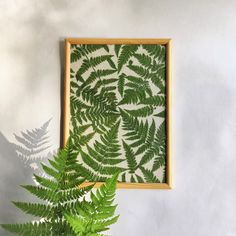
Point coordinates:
[(95, 216), (64, 199), (103, 158)]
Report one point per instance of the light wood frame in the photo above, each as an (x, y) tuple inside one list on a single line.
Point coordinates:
[(66, 102)]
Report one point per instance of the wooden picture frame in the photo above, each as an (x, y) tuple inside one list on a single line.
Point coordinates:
[(66, 100)]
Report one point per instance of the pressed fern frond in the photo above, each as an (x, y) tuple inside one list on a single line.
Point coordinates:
[(82, 50), (141, 112), (139, 70), (79, 139), (159, 161), (121, 84), (149, 176), (158, 51), (75, 56), (117, 48), (140, 88), (93, 62), (157, 77), (132, 96), (89, 48), (148, 142), (143, 59), (101, 113), (160, 83), (157, 146), (131, 87), (126, 52), (103, 158), (157, 100), (136, 130), (132, 163), (161, 114), (104, 83)]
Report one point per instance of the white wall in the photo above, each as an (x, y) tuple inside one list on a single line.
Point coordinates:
[(203, 201)]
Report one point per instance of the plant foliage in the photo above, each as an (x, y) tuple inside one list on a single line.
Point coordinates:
[(95, 216), (118, 102), (62, 203)]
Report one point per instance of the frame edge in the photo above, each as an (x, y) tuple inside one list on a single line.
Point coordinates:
[(66, 102), (66, 94)]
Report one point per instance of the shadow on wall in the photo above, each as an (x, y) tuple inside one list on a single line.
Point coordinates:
[(19, 160)]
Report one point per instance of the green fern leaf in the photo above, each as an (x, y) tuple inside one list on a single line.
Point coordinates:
[(101, 113), (156, 147), (99, 167), (141, 112), (161, 114), (136, 130), (92, 62), (149, 139), (50, 171), (45, 182), (160, 137), (29, 229), (139, 70), (117, 48), (95, 61), (42, 193), (105, 72), (35, 209), (157, 51), (135, 79), (62, 194), (79, 77), (130, 157), (143, 59), (89, 48), (159, 161), (111, 63), (157, 100), (101, 159), (159, 81), (74, 193), (75, 56), (139, 178), (126, 52), (96, 216), (121, 83), (149, 176), (132, 96)]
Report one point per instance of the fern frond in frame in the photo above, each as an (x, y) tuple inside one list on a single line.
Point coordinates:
[(118, 92)]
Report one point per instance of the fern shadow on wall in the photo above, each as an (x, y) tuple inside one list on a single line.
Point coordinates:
[(19, 160), (33, 147)]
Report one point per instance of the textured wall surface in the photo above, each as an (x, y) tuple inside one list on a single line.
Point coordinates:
[(203, 201)]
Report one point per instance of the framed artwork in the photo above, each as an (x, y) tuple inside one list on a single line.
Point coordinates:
[(117, 109)]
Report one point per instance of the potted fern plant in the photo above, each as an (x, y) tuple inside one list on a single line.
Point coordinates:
[(65, 210)]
